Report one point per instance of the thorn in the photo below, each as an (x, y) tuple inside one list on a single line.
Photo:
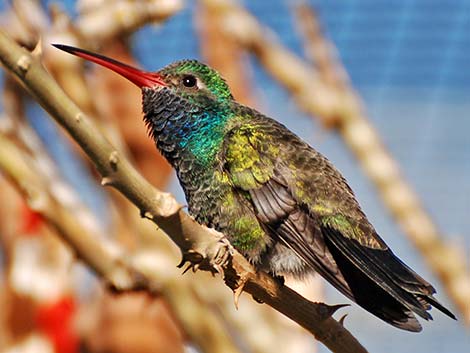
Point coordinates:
[(146, 214), (280, 280), (259, 301), (187, 268), (37, 51), (236, 295), (111, 287), (168, 206), (238, 291), (78, 117), (106, 181), (333, 308), (341, 320), (23, 63), (114, 160)]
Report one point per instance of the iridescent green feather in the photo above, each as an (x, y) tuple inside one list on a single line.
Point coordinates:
[(249, 167)]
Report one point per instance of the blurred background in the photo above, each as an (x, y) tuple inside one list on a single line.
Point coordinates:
[(381, 88)]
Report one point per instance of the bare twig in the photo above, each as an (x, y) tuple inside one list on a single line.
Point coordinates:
[(192, 238)]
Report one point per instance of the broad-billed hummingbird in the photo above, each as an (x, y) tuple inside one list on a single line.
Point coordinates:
[(281, 203)]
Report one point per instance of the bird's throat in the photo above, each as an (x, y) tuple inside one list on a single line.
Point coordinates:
[(182, 130)]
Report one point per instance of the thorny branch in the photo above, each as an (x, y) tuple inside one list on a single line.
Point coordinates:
[(163, 210)]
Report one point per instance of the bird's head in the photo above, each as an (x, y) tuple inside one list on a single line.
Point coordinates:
[(191, 79), (185, 104), (188, 79)]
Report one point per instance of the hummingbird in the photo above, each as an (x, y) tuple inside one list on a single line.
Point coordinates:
[(280, 202)]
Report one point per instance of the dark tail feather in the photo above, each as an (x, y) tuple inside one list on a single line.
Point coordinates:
[(395, 307), (433, 301), (374, 299)]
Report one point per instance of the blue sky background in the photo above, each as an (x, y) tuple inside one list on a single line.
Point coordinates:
[(410, 61)]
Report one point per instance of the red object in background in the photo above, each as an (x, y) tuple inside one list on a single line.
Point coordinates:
[(55, 320), (31, 221)]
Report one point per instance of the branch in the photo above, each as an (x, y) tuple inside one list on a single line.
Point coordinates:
[(321, 53), (164, 211)]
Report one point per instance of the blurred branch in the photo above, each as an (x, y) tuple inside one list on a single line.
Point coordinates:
[(24, 20), (291, 71), (26, 137), (319, 50), (27, 20), (122, 270), (17, 166), (223, 53), (120, 17), (198, 244), (325, 94)]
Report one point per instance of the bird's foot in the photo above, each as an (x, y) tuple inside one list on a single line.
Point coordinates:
[(210, 255)]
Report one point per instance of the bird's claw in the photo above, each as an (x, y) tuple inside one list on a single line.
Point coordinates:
[(238, 289), (192, 259), (211, 256)]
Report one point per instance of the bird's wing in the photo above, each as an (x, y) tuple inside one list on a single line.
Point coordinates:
[(301, 200), (252, 160)]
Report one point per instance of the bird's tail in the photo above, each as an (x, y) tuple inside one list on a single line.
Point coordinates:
[(383, 285)]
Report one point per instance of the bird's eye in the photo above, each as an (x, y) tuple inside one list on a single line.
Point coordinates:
[(189, 81)]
